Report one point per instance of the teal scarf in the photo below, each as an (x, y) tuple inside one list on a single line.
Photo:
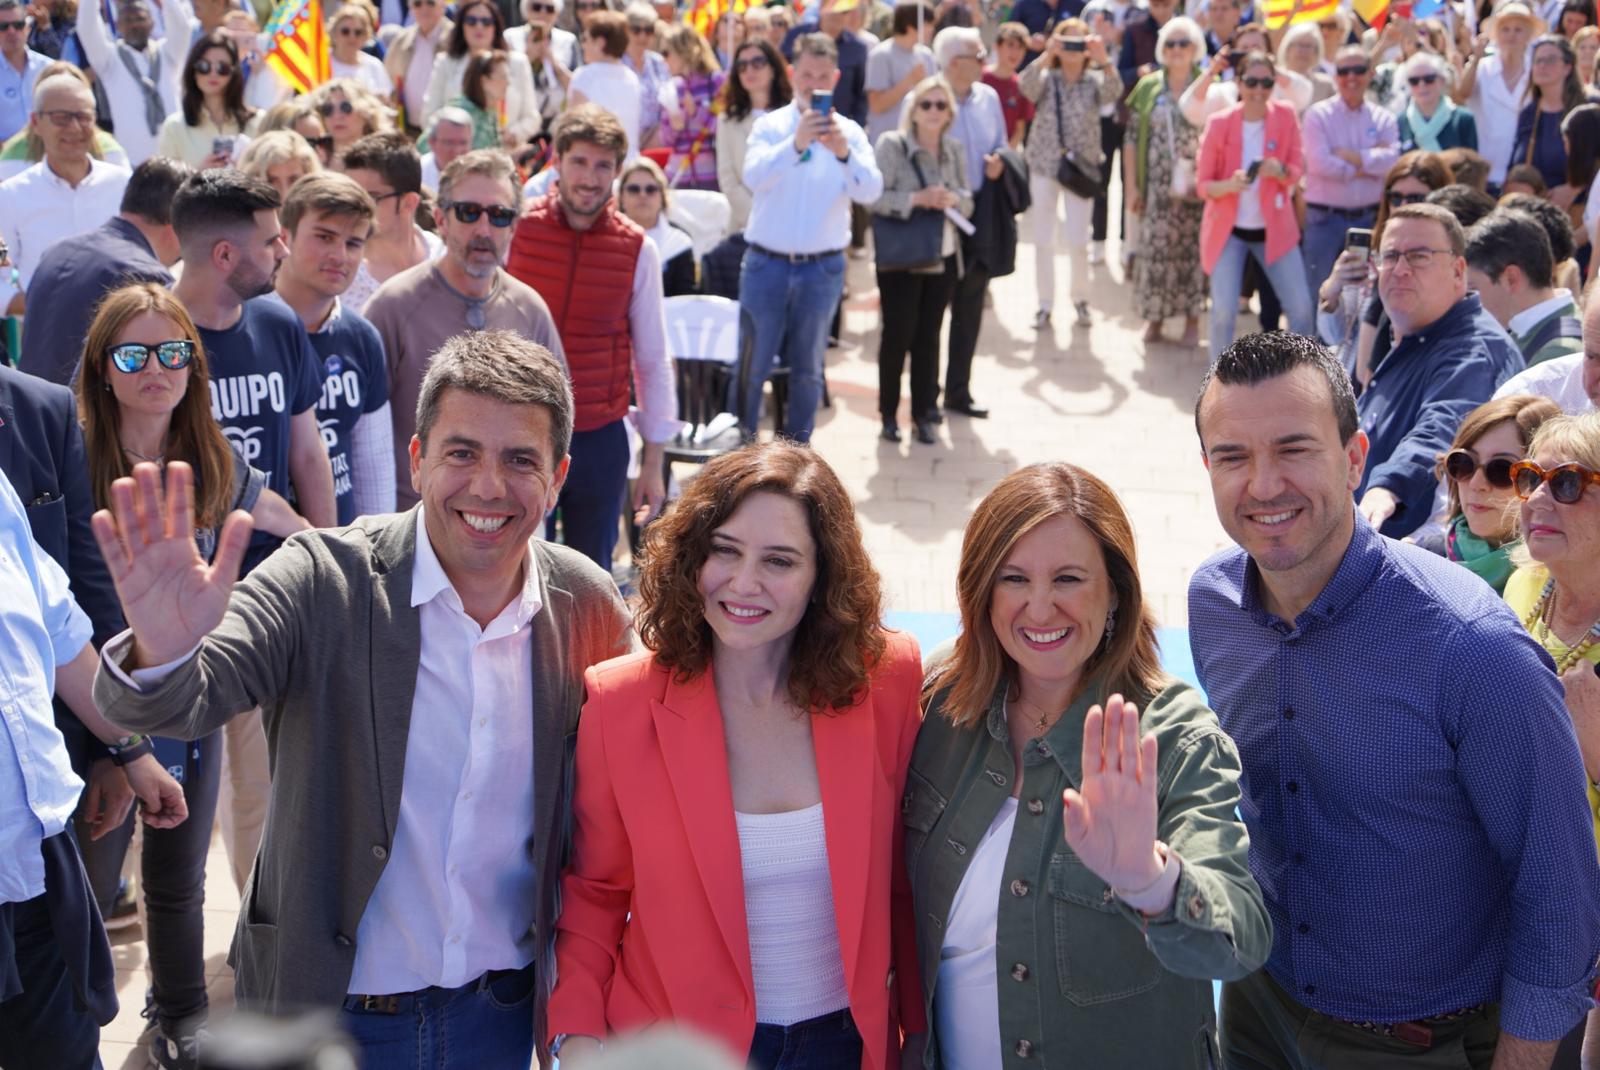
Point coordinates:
[(1492, 565), (1425, 132)]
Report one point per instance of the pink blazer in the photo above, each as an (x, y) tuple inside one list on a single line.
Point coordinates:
[(652, 924), (1221, 147)]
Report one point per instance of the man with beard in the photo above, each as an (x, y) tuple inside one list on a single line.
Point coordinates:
[(264, 374), (573, 243), (140, 75), (465, 289)]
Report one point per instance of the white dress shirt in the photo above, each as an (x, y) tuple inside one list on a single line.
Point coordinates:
[(1560, 379), (655, 387), (122, 91), (39, 208), (1496, 109), (801, 201), (457, 895)]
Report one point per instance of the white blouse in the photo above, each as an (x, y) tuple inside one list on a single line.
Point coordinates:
[(966, 1004)]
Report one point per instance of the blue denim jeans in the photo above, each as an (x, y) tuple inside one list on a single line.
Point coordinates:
[(590, 505), (791, 305), (487, 1022), (1322, 243), (822, 1043), (1287, 275)]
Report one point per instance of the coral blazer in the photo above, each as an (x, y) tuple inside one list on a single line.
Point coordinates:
[(1221, 150), (652, 924)]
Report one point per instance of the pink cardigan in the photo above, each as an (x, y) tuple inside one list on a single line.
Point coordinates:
[(1220, 149)]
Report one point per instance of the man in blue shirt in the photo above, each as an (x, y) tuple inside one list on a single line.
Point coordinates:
[(1448, 357), (19, 68), (1411, 781)]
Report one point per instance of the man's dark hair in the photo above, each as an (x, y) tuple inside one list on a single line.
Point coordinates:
[(1454, 232), (1255, 358), (152, 187), (1557, 227), (391, 156), (905, 16), (214, 203), (1467, 203), (1508, 236), (816, 44)]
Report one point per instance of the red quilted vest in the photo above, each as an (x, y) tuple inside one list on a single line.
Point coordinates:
[(586, 277)]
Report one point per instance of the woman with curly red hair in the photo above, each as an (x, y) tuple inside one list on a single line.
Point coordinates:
[(737, 840)]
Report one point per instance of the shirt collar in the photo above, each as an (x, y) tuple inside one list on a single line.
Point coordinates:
[(428, 580), (333, 317), (97, 168), (1361, 560), (1529, 318), (127, 231), (1455, 317)]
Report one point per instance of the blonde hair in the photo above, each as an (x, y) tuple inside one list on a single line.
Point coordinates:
[(1573, 438), (651, 168), (360, 12), (687, 44), (375, 115), (278, 147), (914, 98)]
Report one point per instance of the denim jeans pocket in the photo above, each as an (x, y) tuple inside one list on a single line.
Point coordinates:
[(510, 990)]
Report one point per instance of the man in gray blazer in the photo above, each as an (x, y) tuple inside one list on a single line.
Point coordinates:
[(420, 677)]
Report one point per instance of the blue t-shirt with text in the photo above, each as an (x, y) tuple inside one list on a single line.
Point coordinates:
[(355, 383)]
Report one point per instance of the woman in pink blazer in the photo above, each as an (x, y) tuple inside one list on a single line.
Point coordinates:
[(735, 860), (1250, 162)]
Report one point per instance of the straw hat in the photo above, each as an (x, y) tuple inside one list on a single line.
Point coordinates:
[(1514, 9)]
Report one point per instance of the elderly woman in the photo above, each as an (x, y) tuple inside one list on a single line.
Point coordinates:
[(348, 33), (1069, 85), (1300, 51), (1250, 163), (643, 194), (924, 176), (649, 66), (1039, 834), (1431, 121), (280, 158), (736, 852), (1158, 176), (479, 28)]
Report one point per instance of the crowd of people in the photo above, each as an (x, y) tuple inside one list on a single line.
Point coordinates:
[(334, 407)]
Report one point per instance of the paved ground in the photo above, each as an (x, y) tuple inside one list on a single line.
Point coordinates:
[(1097, 397)]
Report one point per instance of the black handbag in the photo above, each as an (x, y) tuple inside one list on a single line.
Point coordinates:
[(1080, 179), (909, 244)]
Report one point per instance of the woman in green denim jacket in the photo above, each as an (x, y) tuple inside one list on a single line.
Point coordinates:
[(1076, 886)]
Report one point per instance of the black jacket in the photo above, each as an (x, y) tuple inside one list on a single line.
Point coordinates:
[(994, 245)]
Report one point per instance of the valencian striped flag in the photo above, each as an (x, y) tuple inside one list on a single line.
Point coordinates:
[(1281, 13), (297, 44), (705, 13)]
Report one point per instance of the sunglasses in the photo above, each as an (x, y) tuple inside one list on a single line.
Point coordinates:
[(321, 144), (1355, 71), (351, 31), (1171, 46), (637, 190), (640, 31), (477, 20), (424, 3), (1567, 481), (933, 105), (13, 27), (1423, 79), (757, 62), (500, 216), (1397, 199), (221, 69), (344, 107), (1251, 82), (542, 9), (1460, 466), (131, 357)]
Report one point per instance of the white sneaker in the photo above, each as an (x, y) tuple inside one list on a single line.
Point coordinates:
[(1097, 252)]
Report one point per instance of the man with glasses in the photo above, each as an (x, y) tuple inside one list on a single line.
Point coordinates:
[(1350, 144), (139, 74), (1511, 266), (449, 136), (1448, 357), (552, 52), (410, 57), (19, 70), (66, 193), (1409, 774), (465, 288), (386, 165)]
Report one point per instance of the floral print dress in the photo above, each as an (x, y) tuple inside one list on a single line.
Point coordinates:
[(1167, 277)]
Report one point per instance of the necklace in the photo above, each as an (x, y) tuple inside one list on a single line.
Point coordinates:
[(1043, 721), (157, 459), (476, 316), (1543, 611)]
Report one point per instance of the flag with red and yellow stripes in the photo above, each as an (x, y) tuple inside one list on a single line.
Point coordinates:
[(297, 44), (705, 13), (1282, 13)]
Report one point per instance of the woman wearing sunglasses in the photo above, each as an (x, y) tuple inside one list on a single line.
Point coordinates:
[(349, 112), (480, 28), (760, 84), (348, 33), (299, 116), (1481, 529), (1431, 121), (143, 396), (644, 199), (209, 129)]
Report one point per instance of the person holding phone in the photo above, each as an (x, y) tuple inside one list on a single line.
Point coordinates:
[(208, 130), (1250, 161)]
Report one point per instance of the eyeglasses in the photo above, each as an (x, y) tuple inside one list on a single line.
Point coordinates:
[(932, 104), (1250, 82), (1353, 71), (1461, 465), (321, 144), (220, 68), (757, 62), (1397, 199), (379, 198), (1567, 481), (131, 357), (13, 27), (636, 189), (61, 119), (1172, 46), (500, 216), (1422, 79), (1549, 59), (542, 9), (589, 5), (351, 31), (424, 3), (344, 107), (640, 31), (477, 20), (1416, 259)]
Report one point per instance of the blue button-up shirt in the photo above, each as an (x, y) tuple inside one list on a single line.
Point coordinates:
[(980, 126), (40, 627), (1413, 790), (1417, 397), (16, 91)]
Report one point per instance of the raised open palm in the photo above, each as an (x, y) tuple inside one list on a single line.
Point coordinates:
[(1111, 823), (171, 598)]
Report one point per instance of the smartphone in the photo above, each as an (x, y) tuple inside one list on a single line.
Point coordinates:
[(822, 101), (1074, 44), (1235, 57), (222, 146), (1253, 170), (1358, 238)]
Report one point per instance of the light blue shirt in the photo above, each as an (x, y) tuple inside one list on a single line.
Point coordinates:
[(980, 126), (802, 200), (16, 92), (40, 628)]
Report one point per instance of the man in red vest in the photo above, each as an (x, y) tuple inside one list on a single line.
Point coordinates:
[(601, 278)]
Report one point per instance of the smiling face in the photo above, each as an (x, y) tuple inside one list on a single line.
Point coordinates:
[(1280, 478), (1557, 534), (1255, 97), (64, 121), (325, 252), (586, 171), (1491, 511), (152, 390), (487, 478), (759, 574)]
